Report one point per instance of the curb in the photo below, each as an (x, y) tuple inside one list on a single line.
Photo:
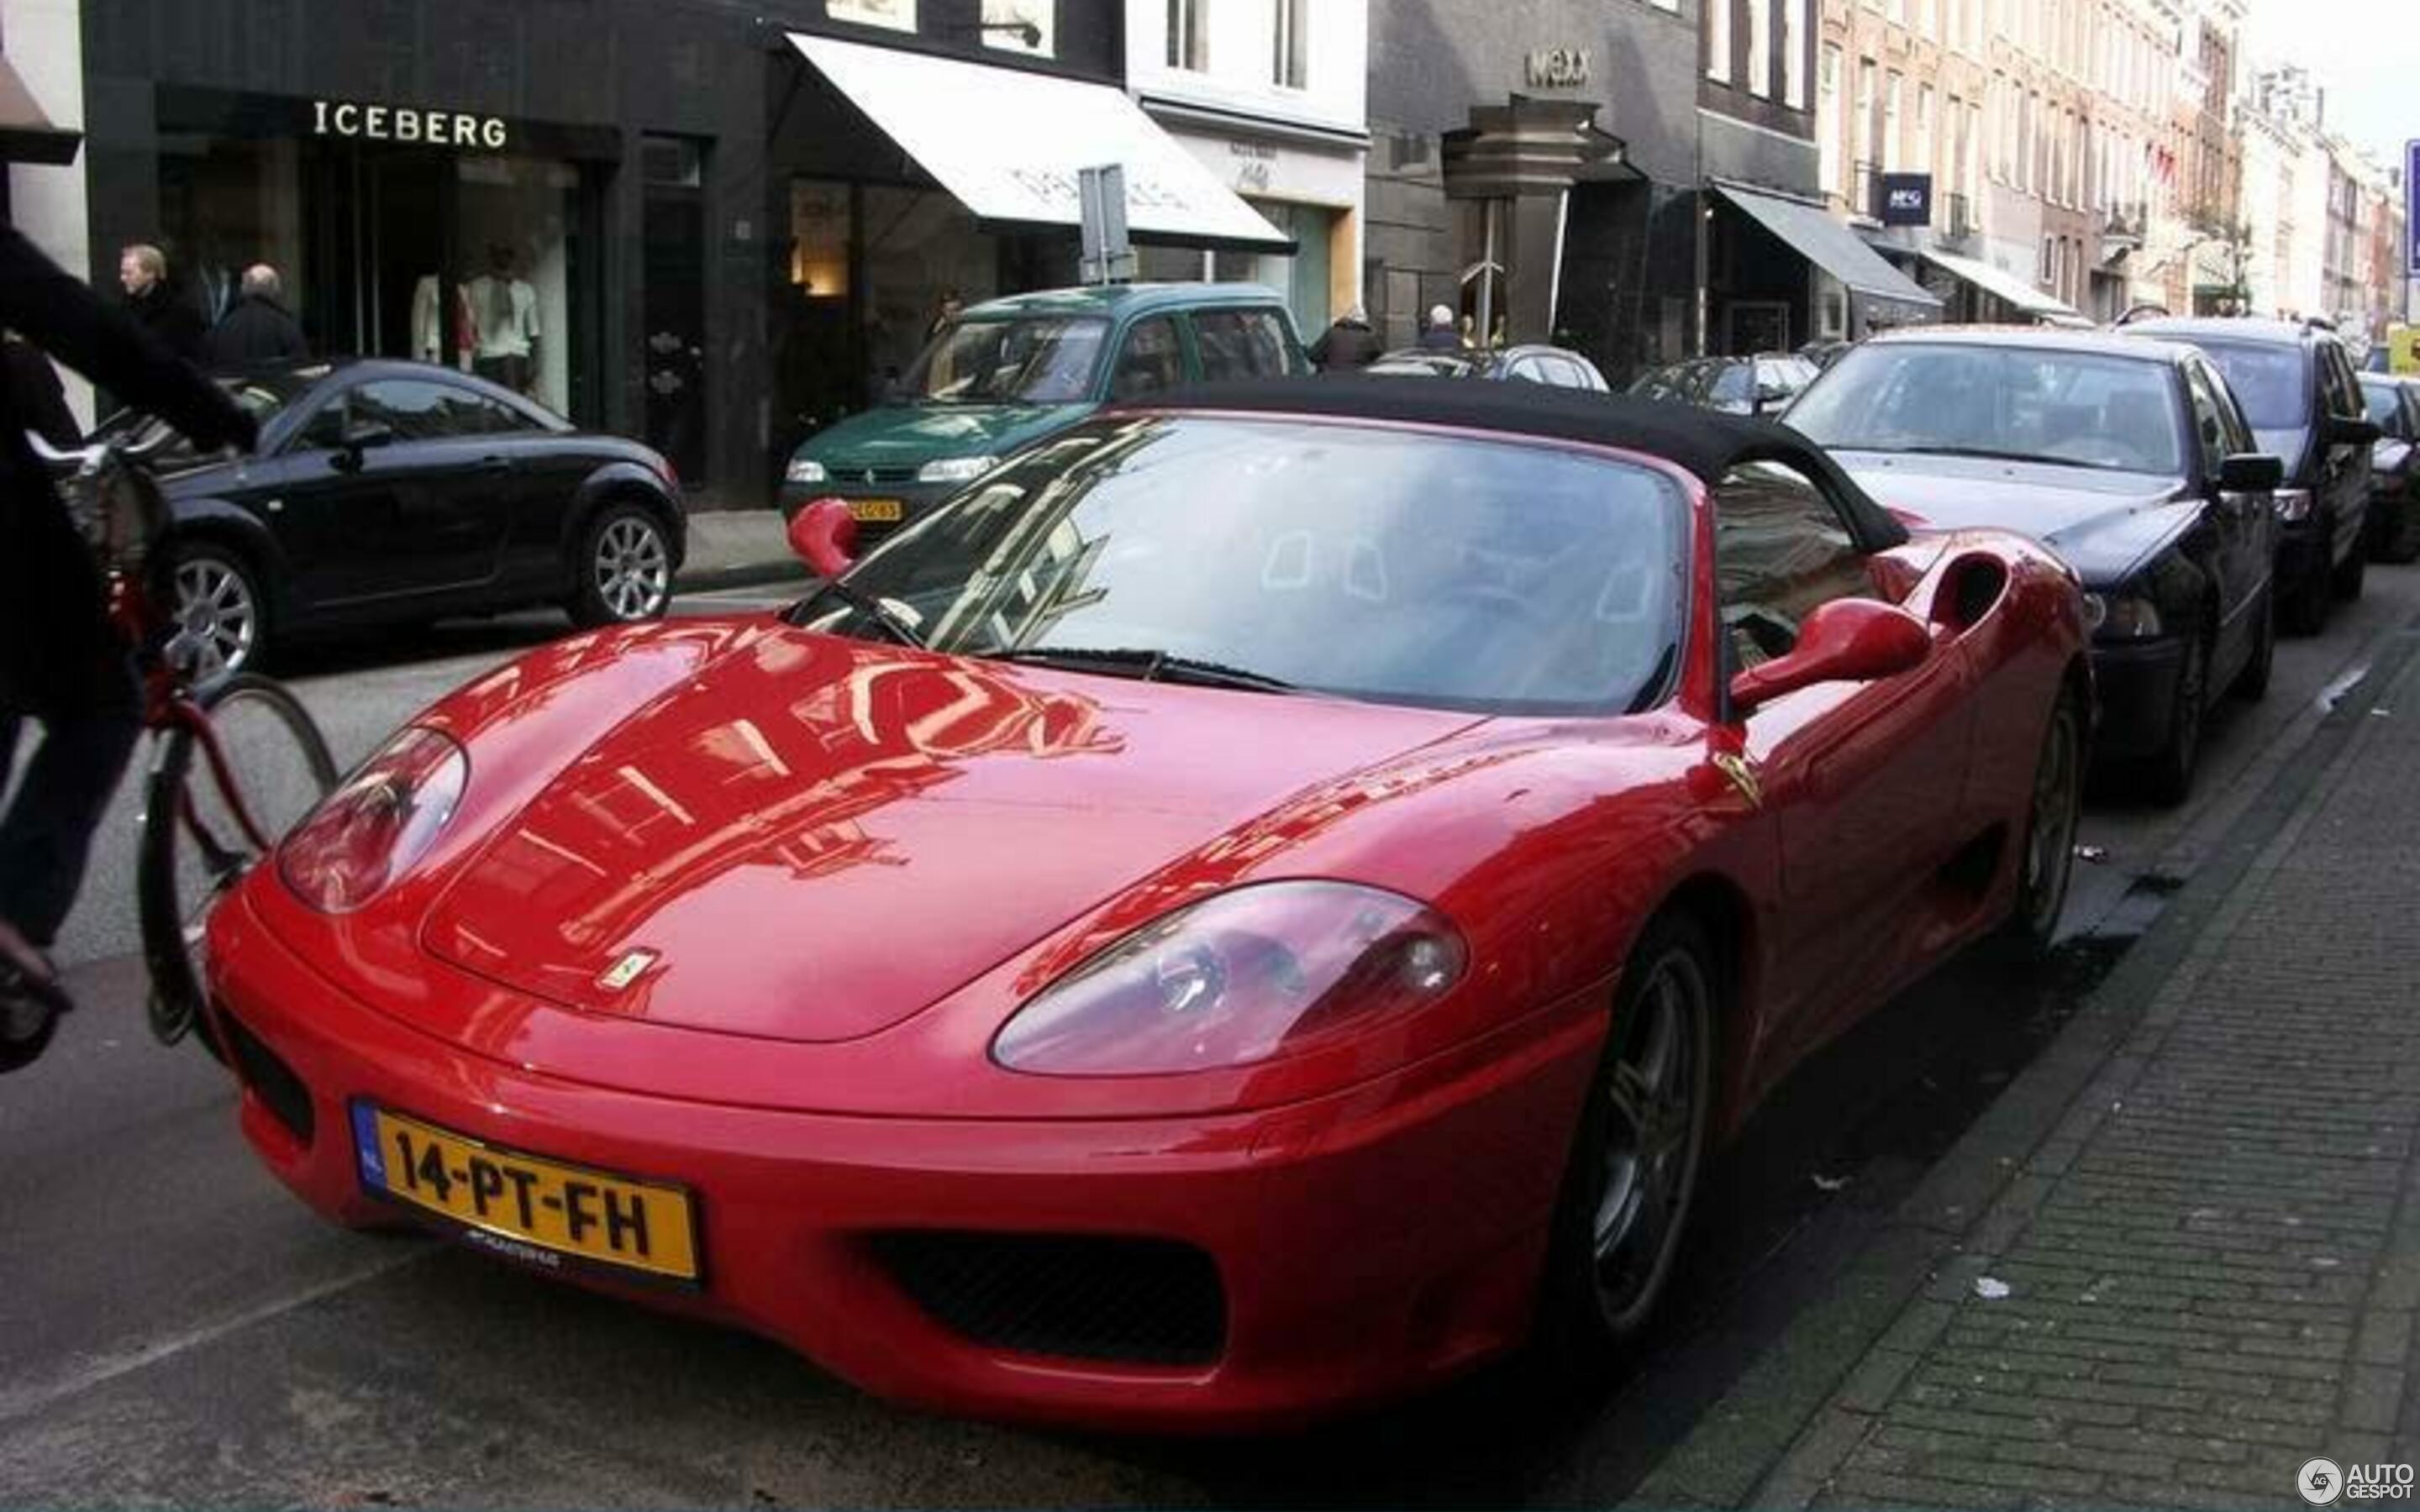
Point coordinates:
[(743, 575), (1778, 1436)]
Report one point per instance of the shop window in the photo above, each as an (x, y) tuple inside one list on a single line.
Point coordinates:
[(895, 15), (1236, 344)]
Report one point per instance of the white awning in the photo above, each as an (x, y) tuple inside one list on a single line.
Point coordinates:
[(1010, 144), (2006, 285)]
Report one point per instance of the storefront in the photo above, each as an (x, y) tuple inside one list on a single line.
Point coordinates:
[(1781, 272)]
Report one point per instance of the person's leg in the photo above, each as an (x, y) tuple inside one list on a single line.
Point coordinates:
[(46, 837)]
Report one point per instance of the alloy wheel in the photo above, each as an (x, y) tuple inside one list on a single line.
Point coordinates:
[(217, 618), (633, 570), (2049, 829), (1655, 1087)]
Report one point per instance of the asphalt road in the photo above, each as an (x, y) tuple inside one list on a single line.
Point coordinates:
[(177, 1329)]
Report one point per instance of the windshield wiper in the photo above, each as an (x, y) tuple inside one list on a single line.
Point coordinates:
[(884, 617), (1150, 666), (1981, 453)]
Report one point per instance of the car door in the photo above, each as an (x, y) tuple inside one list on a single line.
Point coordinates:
[(1865, 781), (2345, 481), (2238, 522)]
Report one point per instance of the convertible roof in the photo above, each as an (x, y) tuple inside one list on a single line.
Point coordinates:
[(1704, 441)]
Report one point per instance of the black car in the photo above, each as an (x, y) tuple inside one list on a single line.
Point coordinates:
[(2394, 406), (2298, 387), (2127, 457), (388, 491), (1552, 366), (1759, 385)]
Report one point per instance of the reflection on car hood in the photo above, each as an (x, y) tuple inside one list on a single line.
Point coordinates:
[(810, 838), (900, 436), (2101, 524)]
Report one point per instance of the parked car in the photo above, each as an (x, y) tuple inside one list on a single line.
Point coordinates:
[(1010, 372), (1759, 385), (2296, 386), (2393, 406), (387, 492), (1107, 960), (1554, 366), (2126, 456)]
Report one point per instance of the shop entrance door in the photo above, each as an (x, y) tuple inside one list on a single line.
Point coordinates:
[(406, 270)]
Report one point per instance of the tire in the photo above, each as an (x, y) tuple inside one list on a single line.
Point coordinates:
[(17, 1052), (2309, 601), (279, 760), (2403, 543), (215, 604), (623, 570), (1637, 1155), (2046, 857), (2346, 580), (2251, 682), (2168, 775)]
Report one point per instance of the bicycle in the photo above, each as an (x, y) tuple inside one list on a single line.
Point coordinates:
[(267, 760)]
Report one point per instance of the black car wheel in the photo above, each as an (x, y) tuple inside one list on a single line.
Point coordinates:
[(2170, 773), (625, 568), (2047, 862), (2310, 600), (2399, 538), (1635, 1159), (2251, 680), (221, 626), (2346, 581)]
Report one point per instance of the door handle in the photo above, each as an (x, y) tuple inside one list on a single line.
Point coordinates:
[(495, 464)]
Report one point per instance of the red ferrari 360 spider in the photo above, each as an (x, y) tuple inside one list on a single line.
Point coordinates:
[(1257, 904)]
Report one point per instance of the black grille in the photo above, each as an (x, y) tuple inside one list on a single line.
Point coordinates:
[(862, 476), (1136, 1300), (270, 1077)]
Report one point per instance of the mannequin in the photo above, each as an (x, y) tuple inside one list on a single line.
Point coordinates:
[(503, 309), (427, 339)]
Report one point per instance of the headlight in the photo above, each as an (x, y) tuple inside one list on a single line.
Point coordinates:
[(2120, 618), (956, 468), (1234, 980), (804, 470), (370, 831), (2293, 504)]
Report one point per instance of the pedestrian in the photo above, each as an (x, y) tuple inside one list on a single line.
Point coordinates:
[(1347, 343), (143, 274), (61, 662), (256, 330), (1440, 337), (945, 314)]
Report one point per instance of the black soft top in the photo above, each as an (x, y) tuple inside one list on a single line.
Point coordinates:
[(1702, 441)]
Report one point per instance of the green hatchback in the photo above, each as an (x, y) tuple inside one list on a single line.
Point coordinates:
[(1012, 371)]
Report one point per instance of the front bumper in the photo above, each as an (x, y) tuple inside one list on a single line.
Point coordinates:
[(1364, 1244), (2136, 684)]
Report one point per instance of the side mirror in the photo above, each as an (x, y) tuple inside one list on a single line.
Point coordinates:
[(1846, 641), (1770, 398), (824, 535), (2251, 473), (363, 434), (2362, 432)]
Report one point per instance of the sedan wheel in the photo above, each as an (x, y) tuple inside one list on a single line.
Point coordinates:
[(626, 569), (2048, 859), (1636, 1156), (217, 614), (2170, 773)]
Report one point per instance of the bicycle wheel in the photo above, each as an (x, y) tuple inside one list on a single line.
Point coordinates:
[(196, 846)]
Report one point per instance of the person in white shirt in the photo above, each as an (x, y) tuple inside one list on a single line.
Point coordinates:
[(503, 314)]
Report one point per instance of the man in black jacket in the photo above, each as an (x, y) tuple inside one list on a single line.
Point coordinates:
[(61, 662), (1346, 344), (257, 329), (143, 272)]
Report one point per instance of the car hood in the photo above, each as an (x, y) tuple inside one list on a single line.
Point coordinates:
[(911, 435), (811, 839), (2102, 524)]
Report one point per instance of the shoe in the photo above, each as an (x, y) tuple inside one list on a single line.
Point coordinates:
[(30, 1007)]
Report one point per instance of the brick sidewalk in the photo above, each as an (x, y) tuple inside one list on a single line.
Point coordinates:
[(2214, 1261)]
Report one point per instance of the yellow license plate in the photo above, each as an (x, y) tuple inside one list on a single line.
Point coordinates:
[(875, 511), (542, 1211)]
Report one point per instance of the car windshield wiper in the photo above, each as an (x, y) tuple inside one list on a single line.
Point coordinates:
[(1983, 453), (1150, 666), (883, 615)]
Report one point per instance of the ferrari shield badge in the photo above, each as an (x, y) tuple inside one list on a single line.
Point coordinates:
[(626, 970), (1742, 776)]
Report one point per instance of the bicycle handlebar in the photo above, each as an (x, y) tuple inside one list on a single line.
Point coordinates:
[(74, 458)]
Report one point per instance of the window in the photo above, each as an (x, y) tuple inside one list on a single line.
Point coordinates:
[(1718, 40), (1237, 344), (2210, 430), (1188, 35), (1890, 158), (1827, 110), (1780, 552), (1151, 362), (1292, 67), (897, 15), (2083, 410), (1794, 38), (423, 412), (1924, 128), (1867, 77), (1759, 48)]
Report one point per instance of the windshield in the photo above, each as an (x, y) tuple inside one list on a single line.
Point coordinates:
[(2385, 402), (2269, 382), (261, 399), (1361, 562), (2027, 404), (1041, 359)]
